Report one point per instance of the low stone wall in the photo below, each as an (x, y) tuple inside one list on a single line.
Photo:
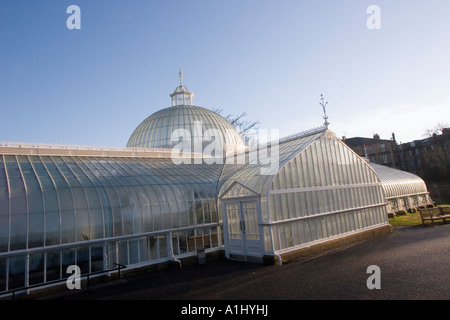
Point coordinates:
[(331, 244)]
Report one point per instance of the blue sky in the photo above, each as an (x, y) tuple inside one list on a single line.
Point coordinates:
[(269, 58)]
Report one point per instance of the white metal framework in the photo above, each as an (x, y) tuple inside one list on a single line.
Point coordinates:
[(321, 191), (63, 205), (403, 190), (95, 211)]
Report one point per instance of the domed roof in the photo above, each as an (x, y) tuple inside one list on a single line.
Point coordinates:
[(159, 129), (180, 89), (184, 122)]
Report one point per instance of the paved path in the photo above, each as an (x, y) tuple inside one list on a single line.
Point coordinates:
[(414, 263)]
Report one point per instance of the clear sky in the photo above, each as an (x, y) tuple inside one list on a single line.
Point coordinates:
[(270, 58)]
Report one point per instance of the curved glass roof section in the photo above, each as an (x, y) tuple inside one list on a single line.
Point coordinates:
[(64, 199), (398, 183), (156, 131)]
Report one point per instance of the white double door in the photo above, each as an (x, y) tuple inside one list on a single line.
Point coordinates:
[(243, 230)]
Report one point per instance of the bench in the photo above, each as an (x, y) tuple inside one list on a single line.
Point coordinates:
[(433, 214)]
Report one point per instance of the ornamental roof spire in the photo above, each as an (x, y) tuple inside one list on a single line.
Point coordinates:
[(180, 74), (181, 96), (324, 106)]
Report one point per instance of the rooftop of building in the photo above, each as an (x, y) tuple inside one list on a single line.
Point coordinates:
[(359, 141)]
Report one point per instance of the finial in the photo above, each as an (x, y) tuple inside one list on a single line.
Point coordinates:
[(181, 96), (324, 105), (180, 74)]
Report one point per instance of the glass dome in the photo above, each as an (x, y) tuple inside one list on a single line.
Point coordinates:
[(186, 123), (157, 131)]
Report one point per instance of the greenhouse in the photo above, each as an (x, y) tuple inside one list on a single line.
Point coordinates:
[(95, 211), (95, 207), (404, 190), (321, 191)]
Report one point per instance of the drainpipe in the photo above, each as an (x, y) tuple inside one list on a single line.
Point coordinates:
[(280, 261), (170, 247)]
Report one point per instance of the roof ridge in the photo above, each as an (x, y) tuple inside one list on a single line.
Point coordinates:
[(295, 136)]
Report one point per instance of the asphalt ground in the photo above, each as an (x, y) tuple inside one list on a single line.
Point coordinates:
[(414, 264)]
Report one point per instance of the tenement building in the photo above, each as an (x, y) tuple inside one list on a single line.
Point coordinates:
[(377, 150)]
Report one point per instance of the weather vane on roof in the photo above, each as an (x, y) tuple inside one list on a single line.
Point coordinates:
[(324, 106), (180, 74)]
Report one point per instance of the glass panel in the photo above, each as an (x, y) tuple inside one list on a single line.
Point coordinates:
[(199, 212), (214, 237), (35, 219), (153, 247), (123, 252), (206, 236), (36, 273), (234, 229), (267, 239), (307, 231), (199, 238), (111, 252), (126, 210), (190, 240), (67, 226), (96, 258), (277, 203), (289, 238), (251, 221), (18, 201), (53, 271), (162, 247), (3, 265), (206, 211), (96, 227), (144, 253), (284, 206), (175, 244), (4, 221), (68, 259), (295, 235), (83, 259), (276, 239), (214, 213), (290, 173), (18, 231), (52, 236), (182, 243), (67, 215), (116, 212), (134, 251), (281, 236), (17, 272)]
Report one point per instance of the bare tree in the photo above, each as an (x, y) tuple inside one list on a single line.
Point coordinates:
[(246, 128), (437, 155), (438, 129)]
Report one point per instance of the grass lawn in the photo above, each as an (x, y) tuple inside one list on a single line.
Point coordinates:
[(409, 219)]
